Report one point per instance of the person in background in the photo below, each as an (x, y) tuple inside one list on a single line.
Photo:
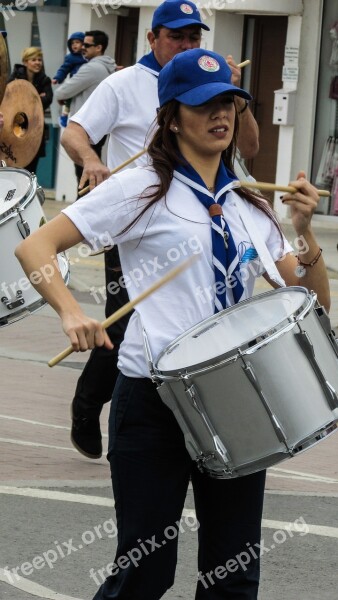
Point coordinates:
[(124, 106), (32, 70), (71, 64), (79, 87)]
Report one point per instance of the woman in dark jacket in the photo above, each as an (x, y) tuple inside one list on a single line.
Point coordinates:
[(33, 71)]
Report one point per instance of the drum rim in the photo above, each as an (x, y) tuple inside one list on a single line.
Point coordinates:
[(234, 353), (26, 310), (25, 200)]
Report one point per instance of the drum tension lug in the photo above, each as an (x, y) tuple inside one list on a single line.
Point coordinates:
[(10, 304), (306, 345), (23, 226)]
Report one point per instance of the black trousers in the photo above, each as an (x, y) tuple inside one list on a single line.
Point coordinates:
[(97, 380), (150, 470)]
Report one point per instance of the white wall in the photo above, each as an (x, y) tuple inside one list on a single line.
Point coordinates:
[(286, 132), (19, 34), (228, 34), (144, 25), (296, 142), (53, 41), (307, 87)]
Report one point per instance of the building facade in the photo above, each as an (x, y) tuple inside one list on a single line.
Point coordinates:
[(290, 44)]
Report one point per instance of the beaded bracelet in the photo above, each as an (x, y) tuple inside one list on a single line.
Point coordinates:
[(301, 270)]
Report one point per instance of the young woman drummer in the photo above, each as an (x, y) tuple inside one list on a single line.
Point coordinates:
[(157, 215)]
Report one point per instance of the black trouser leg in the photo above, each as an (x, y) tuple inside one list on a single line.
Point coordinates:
[(96, 383), (150, 473), (229, 512)]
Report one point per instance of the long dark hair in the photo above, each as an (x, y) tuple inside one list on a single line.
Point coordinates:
[(164, 153)]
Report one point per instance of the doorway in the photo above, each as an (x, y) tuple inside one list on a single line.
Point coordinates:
[(126, 38), (265, 39)]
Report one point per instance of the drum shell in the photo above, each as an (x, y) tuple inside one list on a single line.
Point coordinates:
[(290, 386), (12, 277)]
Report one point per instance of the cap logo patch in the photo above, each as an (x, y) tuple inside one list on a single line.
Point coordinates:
[(186, 9), (207, 63)]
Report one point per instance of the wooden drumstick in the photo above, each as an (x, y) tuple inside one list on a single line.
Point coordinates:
[(116, 169), (273, 187), (245, 63), (130, 305)]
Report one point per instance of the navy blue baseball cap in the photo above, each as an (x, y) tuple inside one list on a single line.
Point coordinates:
[(196, 76), (174, 14)]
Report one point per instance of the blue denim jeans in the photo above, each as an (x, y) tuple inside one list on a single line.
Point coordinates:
[(151, 470)]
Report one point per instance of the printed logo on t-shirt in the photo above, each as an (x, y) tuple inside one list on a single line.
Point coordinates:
[(187, 9), (246, 252), (207, 63)]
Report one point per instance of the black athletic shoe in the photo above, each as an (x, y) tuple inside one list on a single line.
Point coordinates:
[(86, 434)]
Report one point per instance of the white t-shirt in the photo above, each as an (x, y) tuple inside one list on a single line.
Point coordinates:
[(124, 106), (165, 235)]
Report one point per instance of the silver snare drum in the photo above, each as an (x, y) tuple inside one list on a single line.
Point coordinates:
[(254, 384), (20, 215)]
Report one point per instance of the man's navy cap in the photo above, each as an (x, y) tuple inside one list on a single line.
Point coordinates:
[(196, 76), (174, 14)]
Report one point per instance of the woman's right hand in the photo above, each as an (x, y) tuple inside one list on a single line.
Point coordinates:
[(85, 333)]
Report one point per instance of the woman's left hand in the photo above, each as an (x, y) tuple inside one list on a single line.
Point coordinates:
[(303, 203)]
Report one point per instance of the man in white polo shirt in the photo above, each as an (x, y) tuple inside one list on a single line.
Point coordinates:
[(124, 106)]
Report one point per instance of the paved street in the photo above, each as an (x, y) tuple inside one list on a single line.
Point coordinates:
[(57, 516)]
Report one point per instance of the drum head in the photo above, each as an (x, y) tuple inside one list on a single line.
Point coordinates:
[(15, 187), (239, 327)]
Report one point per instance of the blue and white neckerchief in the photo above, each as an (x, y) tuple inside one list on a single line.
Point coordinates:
[(150, 63), (225, 258)]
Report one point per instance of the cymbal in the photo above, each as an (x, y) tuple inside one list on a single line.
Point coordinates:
[(3, 66), (23, 127)]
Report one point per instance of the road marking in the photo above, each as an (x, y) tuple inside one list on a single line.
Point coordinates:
[(10, 418), (288, 474), (34, 444), (320, 530), (39, 423), (35, 589), (55, 495)]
